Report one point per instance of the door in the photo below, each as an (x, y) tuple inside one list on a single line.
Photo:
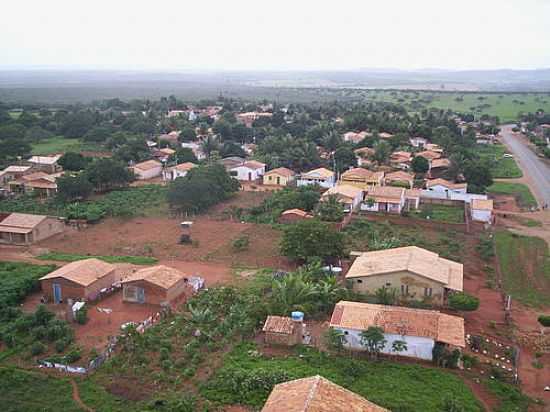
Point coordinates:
[(249, 176), (141, 295), (278, 180), (57, 293)]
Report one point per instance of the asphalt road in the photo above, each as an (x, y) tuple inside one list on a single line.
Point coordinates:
[(532, 166)]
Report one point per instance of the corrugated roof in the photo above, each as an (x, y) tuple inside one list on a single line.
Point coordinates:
[(83, 272), (16, 169), (443, 162), (185, 167), (316, 394), (279, 324), (252, 164), (160, 275), (400, 321), (410, 258)]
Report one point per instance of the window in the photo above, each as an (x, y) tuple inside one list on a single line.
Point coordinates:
[(388, 284), (405, 290), (345, 332), (359, 281), (428, 292)]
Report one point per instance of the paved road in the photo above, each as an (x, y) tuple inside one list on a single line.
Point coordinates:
[(532, 166)]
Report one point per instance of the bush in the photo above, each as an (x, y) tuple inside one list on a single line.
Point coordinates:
[(544, 320), (37, 348), (81, 316), (241, 243), (463, 301)]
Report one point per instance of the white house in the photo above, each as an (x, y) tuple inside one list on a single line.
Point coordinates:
[(349, 196), (322, 177), (418, 142), (195, 148), (386, 199), (147, 170), (482, 210), (172, 173), (419, 329), (250, 170), (444, 186)]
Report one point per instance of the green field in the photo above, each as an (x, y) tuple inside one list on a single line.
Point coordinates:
[(525, 266), (521, 192), (501, 167), (504, 105), (442, 213), (68, 257), (61, 144)]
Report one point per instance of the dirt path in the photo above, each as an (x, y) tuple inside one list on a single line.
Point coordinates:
[(76, 398)]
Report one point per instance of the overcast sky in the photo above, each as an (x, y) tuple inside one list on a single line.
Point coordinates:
[(276, 34)]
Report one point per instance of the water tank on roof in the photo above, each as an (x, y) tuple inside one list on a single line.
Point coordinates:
[(297, 316)]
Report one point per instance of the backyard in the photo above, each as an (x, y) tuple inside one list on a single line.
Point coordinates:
[(442, 213), (519, 191)]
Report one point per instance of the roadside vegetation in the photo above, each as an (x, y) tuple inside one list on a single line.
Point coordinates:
[(501, 166), (69, 257), (519, 191)]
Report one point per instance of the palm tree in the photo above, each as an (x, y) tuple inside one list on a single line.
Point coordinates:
[(292, 293), (209, 145), (328, 293)]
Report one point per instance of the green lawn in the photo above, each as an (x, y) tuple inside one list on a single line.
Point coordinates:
[(501, 167), (69, 257), (248, 379), (525, 266), (61, 144), (442, 213), (521, 192)]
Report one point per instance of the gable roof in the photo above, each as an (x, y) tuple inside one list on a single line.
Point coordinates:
[(316, 394), (344, 190), (446, 183), (298, 212), (44, 160), (21, 222), (282, 171), (163, 276), (362, 174), (252, 164), (401, 156), (185, 167), (409, 258), (279, 324), (429, 154), (399, 176), (83, 272), (390, 194), (320, 173), (400, 321), (442, 162), (148, 165)]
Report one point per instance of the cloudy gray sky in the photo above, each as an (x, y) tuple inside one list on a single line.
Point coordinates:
[(278, 34)]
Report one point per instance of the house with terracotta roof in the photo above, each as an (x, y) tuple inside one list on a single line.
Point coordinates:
[(280, 176), (401, 160), (293, 215), (355, 137), (349, 196), (439, 166), (283, 330), (13, 172), (156, 285), (26, 229), (482, 210), (363, 155), (171, 138), (173, 172), (415, 273), (399, 178), (446, 186), (40, 184), (420, 329), (384, 199), (148, 169), (362, 178), (250, 170), (46, 164), (429, 155), (81, 280), (231, 162), (316, 394), (321, 176)]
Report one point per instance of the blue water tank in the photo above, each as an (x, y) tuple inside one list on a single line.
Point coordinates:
[(297, 316)]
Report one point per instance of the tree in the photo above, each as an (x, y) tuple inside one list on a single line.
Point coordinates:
[(71, 188), (420, 164), (183, 155), (373, 340), (106, 174), (232, 149), (386, 296), (335, 339), (209, 145), (311, 239), (292, 292), (344, 157), (73, 161), (382, 152), (399, 346), (463, 301), (478, 175), (331, 210), (188, 134)]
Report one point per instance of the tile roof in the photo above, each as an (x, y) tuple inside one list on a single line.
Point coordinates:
[(185, 167), (399, 176), (442, 162), (252, 164), (283, 171), (298, 212), (320, 173), (148, 165), (364, 151), (160, 275), (316, 394), (16, 169), (279, 324), (362, 174), (480, 204), (83, 272), (446, 183), (401, 156), (344, 190), (22, 220), (385, 193), (429, 154), (45, 160), (400, 321), (409, 258)]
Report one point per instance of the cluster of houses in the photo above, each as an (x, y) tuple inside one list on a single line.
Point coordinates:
[(36, 175), (413, 274)]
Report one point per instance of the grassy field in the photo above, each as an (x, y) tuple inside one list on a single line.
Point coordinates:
[(19, 279), (525, 266), (521, 192), (504, 105), (67, 257), (442, 213), (61, 144), (501, 167)]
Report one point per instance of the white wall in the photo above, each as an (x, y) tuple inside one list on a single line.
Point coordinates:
[(464, 197), (481, 215), (172, 174), (417, 347), (443, 189), (148, 174), (243, 173), (326, 183)]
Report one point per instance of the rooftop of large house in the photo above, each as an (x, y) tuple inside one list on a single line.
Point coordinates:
[(282, 171), (320, 173), (389, 194), (360, 173), (347, 191), (446, 183), (16, 169), (410, 258), (148, 165), (441, 162), (163, 276), (399, 176), (316, 394), (20, 222), (45, 160), (400, 320), (83, 272)]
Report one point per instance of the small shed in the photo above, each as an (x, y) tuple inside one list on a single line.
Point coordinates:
[(157, 285), (282, 330), (293, 215), (147, 170), (82, 280)]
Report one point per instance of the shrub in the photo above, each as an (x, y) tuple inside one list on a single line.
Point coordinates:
[(241, 243), (544, 320), (81, 316), (74, 355), (61, 344), (37, 348), (463, 301)]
